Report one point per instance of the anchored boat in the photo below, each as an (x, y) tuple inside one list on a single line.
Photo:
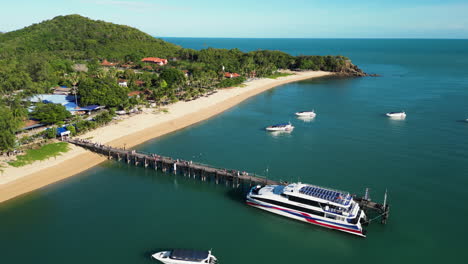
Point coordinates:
[(396, 114), (185, 256), (312, 204), (306, 113), (280, 127)]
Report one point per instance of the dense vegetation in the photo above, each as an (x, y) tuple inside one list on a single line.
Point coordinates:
[(68, 50), (50, 113)]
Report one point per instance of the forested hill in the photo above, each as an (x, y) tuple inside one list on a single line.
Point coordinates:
[(76, 37), (43, 55)]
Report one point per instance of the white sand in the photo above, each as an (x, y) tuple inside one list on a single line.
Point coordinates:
[(133, 131)]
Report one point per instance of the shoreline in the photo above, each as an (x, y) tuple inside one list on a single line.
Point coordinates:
[(134, 131)]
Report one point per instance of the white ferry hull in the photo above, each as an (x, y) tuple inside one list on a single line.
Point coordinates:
[(304, 217)]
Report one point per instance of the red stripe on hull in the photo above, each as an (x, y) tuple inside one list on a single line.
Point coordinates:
[(313, 221)]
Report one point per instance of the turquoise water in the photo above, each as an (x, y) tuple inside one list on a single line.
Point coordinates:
[(119, 214)]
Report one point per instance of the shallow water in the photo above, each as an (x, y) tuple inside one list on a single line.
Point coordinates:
[(119, 214)]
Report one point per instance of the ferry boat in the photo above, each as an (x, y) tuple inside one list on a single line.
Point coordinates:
[(281, 127), (396, 114), (312, 204), (185, 256), (306, 114)]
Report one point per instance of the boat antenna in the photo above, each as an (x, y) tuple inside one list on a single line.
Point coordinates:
[(366, 196), (385, 199)]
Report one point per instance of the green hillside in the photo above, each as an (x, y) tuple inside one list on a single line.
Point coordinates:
[(68, 50), (79, 38)]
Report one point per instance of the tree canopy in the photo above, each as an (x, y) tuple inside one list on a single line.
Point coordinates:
[(102, 91), (50, 113)]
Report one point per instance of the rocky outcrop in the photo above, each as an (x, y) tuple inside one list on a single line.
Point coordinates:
[(349, 69)]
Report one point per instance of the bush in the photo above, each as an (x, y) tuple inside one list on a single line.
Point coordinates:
[(72, 130), (231, 82), (51, 132)]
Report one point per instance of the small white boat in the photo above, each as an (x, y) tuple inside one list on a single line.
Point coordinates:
[(280, 127), (306, 113), (396, 114), (185, 256)]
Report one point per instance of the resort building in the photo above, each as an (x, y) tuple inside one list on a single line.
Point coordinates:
[(231, 75), (139, 83), (154, 60), (106, 63), (62, 90), (66, 100), (123, 83)]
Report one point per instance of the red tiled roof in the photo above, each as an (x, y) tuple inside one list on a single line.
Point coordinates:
[(154, 60), (30, 122), (139, 83), (107, 63), (231, 75), (133, 93)]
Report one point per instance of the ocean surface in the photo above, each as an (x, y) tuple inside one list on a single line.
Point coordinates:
[(115, 213)]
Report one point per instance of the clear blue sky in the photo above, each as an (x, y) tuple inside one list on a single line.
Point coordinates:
[(258, 18)]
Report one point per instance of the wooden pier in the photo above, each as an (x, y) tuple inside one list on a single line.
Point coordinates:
[(205, 172), (176, 166)]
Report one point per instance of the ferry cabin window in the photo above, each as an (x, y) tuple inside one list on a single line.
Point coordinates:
[(330, 216), (304, 201), (290, 206)]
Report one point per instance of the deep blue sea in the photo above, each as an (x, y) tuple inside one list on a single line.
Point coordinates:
[(114, 213)]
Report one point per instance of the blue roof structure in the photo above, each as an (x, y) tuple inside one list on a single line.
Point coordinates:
[(66, 100), (53, 99), (62, 131)]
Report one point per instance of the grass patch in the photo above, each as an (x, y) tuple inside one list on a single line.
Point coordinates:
[(43, 153), (279, 74)]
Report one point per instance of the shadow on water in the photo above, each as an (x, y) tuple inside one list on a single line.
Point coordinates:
[(237, 195)]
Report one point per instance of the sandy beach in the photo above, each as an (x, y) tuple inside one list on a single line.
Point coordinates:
[(133, 131)]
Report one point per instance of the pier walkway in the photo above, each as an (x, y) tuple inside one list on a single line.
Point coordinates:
[(205, 172), (167, 164)]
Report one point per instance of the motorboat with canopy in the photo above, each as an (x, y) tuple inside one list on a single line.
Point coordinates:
[(185, 256)]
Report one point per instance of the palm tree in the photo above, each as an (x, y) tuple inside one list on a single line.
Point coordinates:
[(74, 79)]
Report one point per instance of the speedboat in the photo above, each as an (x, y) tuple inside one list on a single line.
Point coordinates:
[(280, 127), (396, 114), (306, 113), (312, 204), (185, 256)]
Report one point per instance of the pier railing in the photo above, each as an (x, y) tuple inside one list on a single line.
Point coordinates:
[(177, 166)]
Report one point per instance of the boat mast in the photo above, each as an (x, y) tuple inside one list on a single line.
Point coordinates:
[(385, 199), (366, 196)]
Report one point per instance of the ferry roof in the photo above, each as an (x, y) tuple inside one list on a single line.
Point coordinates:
[(189, 254), (335, 196)]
